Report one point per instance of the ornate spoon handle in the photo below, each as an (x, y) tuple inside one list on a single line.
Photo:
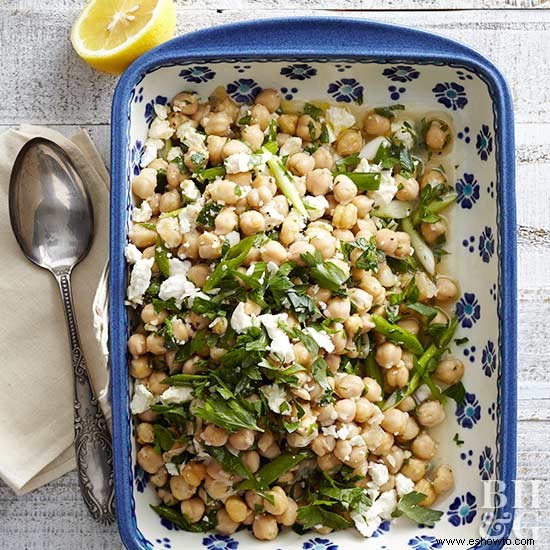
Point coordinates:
[(92, 441)]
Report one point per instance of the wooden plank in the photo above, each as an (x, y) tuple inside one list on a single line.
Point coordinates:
[(42, 80)]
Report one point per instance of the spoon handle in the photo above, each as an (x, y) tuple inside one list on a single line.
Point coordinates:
[(92, 441)]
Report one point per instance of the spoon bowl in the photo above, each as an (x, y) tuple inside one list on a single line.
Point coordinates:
[(52, 218)]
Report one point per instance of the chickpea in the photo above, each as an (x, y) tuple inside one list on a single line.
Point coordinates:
[(438, 135), (327, 462), (154, 382), (150, 317), (425, 487), (298, 248), (198, 274), (190, 246), (215, 144), (300, 164), (364, 410), (236, 509), (394, 421), (274, 251), (216, 124), (259, 114), (408, 188), (252, 222), (450, 371), (141, 236), (159, 478), (155, 344), (280, 501), (225, 524), (148, 460), (349, 385), (290, 230), (357, 456), (327, 415), (423, 446), (214, 436), (288, 517), (430, 413), (385, 274), (414, 469), (385, 444), (144, 433), (345, 409), (432, 178), (253, 135), (373, 390), (446, 290), (394, 460), (323, 444), (349, 142), (233, 147), (242, 440), (432, 231), (226, 221), (224, 191), (158, 164), (344, 216), (308, 129), (139, 367), (287, 123), (173, 175), (252, 460), (364, 205), (407, 405), (386, 240), (397, 377), (170, 201), (254, 501), (388, 355), (145, 183), (210, 246), (443, 479), (168, 230), (218, 489), (411, 429), (344, 189), (194, 473), (342, 451), (325, 243), (137, 344), (353, 325), (270, 98), (192, 509), (410, 324), (319, 181), (338, 308), (376, 125), (265, 527)]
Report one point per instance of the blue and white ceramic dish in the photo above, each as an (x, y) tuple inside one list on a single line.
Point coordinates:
[(351, 61)]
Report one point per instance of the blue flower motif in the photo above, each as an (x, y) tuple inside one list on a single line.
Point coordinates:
[(164, 543), (462, 510), (135, 156), (141, 477), (469, 412), (346, 90), (169, 525), (243, 90), (451, 95), (383, 528), (319, 544), (401, 73), (198, 74), (467, 188), (486, 244), (299, 71), (150, 108), (488, 357), (424, 542), (220, 542), (484, 142), (468, 310), (492, 411), (486, 463), (136, 95)]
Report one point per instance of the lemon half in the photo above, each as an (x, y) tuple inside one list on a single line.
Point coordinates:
[(110, 34)]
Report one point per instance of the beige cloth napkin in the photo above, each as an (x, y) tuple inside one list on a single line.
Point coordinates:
[(36, 379)]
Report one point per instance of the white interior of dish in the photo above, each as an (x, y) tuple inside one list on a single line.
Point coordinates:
[(464, 97)]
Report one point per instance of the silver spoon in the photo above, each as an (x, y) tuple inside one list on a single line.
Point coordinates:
[(52, 218)]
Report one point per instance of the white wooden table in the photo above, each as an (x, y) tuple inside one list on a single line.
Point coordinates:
[(43, 82)]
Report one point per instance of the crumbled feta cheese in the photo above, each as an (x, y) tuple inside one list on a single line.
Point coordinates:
[(272, 267), (343, 432), (367, 521), (339, 119), (357, 441), (143, 213), (179, 288), (142, 399), (387, 190), (371, 148), (172, 469), (275, 396), (280, 342), (161, 111), (175, 395), (188, 215), (365, 525), (273, 217), (160, 129), (178, 267), (403, 485), (140, 279), (386, 503), (194, 140), (363, 166), (291, 145), (330, 430), (132, 253), (240, 320), (404, 133), (316, 206), (239, 162), (149, 155), (174, 153), (378, 473), (190, 190), (322, 339), (233, 237), (377, 417)]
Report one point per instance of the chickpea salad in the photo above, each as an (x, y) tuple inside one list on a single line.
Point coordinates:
[(292, 325)]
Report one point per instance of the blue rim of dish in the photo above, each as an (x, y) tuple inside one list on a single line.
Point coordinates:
[(314, 39)]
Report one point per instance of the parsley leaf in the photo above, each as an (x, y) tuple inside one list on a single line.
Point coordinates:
[(208, 214), (457, 440), (229, 461), (313, 111), (327, 274), (319, 369), (164, 438), (315, 514), (409, 505), (456, 392), (175, 517), (161, 258), (228, 414), (388, 111)]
